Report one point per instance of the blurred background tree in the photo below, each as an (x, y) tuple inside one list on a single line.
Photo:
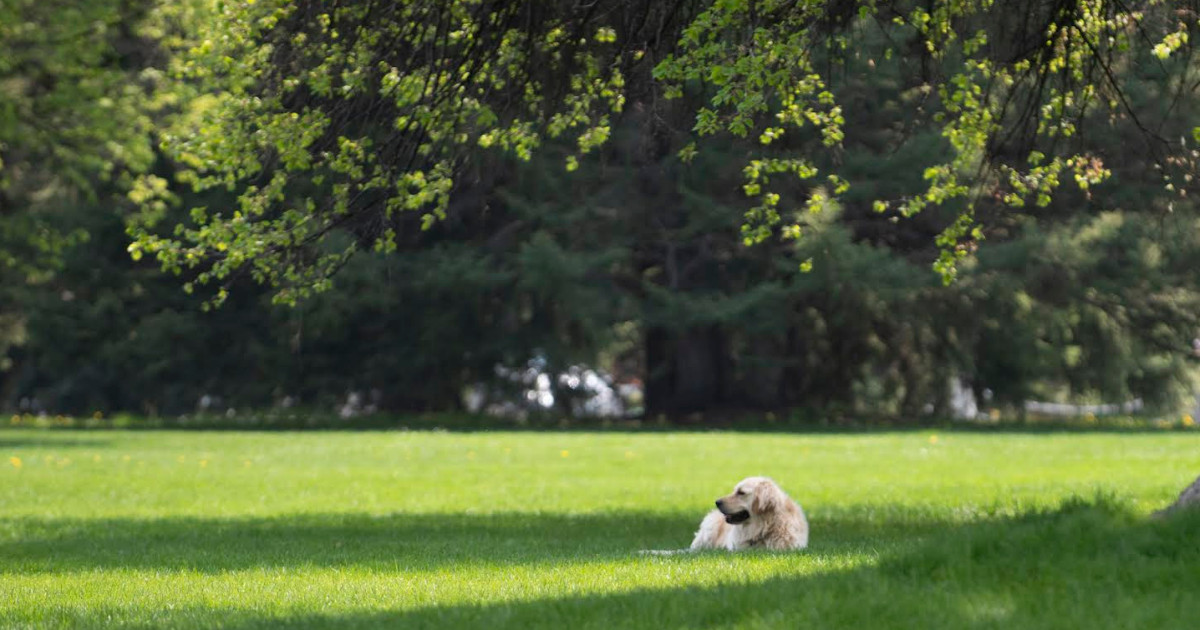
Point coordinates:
[(531, 192), (74, 95)]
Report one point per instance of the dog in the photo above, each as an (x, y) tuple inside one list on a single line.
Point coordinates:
[(758, 514)]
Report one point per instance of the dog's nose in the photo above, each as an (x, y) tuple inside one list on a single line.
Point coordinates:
[(720, 503)]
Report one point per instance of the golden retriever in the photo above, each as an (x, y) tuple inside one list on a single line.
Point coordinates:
[(758, 514)]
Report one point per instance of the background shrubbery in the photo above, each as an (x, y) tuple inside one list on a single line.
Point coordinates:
[(633, 263)]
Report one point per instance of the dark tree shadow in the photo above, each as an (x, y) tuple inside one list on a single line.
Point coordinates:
[(52, 440), (750, 422), (1084, 566), (384, 542), (1090, 565)]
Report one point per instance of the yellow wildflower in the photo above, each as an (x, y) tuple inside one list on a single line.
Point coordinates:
[(566, 453), (15, 461)]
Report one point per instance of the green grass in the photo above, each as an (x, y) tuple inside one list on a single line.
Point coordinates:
[(446, 530)]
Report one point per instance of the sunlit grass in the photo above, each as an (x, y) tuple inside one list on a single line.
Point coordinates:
[(391, 529)]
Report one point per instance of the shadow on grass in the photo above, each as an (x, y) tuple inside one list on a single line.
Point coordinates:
[(1083, 566), (404, 542), (51, 441), (1088, 565), (742, 422)]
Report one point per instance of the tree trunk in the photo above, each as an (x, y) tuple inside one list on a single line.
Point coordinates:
[(760, 372), (1190, 497), (685, 370)]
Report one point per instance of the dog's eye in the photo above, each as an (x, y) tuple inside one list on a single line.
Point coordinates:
[(741, 493)]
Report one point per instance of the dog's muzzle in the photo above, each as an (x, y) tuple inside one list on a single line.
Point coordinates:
[(733, 518), (737, 517)]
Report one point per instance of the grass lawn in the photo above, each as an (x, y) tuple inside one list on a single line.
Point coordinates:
[(447, 530)]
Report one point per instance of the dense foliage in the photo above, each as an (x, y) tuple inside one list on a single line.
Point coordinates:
[(72, 122), (740, 203)]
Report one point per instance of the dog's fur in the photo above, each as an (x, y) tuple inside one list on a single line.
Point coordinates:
[(756, 515)]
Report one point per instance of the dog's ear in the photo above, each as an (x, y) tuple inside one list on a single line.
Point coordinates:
[(766, 498)]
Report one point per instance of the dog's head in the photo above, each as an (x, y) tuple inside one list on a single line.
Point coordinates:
[(752, 497)]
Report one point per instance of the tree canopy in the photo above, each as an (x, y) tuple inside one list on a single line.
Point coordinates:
[(739, 202), (322, 118)]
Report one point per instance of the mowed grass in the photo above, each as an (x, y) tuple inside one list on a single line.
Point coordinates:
[(432, 529)]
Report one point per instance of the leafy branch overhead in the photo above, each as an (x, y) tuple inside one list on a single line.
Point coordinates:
[(314, 120), (342, 118)]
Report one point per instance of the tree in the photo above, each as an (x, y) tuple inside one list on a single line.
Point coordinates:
[(374, 108), (73, 123), (377, 108), (366, 119)]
